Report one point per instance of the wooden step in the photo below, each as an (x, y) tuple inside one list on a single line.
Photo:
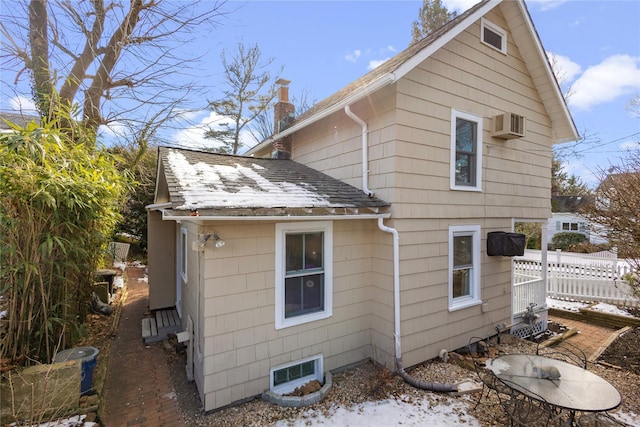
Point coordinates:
[(158, 327)]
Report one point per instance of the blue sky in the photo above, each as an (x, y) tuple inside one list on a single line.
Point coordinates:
[(324, 45)]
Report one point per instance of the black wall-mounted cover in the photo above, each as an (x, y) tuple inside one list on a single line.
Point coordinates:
[(500, 243), (495, 243), (514, 244)]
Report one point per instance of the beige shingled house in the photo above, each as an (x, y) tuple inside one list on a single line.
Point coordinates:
[(359, 229)]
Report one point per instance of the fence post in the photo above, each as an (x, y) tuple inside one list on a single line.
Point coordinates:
[(544, 261)]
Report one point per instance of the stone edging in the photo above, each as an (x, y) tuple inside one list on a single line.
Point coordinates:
[(300, 401), (595, 317)]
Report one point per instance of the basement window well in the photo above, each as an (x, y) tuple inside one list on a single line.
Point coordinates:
[(286, 378)]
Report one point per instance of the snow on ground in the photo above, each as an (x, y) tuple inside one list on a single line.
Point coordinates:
[(576, 306), (408, 411), (75, 421)]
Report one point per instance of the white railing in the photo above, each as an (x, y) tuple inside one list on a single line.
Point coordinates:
[(581, 281), (526, 292)]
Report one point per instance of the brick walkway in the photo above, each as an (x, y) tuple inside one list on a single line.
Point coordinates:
[(138, 390), (589, 337)]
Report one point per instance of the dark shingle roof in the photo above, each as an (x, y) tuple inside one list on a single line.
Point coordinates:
[(211, 182)]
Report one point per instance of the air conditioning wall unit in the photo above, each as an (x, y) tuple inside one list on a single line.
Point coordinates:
[(508, 126)]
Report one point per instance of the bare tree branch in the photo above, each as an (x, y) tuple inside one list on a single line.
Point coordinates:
[(106, 56)]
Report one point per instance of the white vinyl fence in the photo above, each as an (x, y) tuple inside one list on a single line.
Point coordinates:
[(576, 277)]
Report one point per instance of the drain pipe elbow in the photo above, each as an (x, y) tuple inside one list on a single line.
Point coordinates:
[(424, 385), (365, 149)]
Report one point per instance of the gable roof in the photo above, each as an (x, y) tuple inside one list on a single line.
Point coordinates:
[(524, 33), (563, 204), (196, 183)]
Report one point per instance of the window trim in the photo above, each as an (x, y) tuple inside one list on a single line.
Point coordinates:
[(475, 297), (290, 386), (455, 115), (183, 253), (484, 23), (326, 227)]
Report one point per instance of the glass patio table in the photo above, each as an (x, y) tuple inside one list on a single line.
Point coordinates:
[(576, 390)]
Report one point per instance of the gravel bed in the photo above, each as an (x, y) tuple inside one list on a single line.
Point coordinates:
[(369, 382)]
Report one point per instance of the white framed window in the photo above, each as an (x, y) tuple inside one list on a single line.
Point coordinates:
[(464, 266), (466, 151), (571, 226), (183, 253), (286, 378), (493, 36), (304, 272)]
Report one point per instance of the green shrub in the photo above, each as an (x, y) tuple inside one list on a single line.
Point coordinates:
[(566, 240), (61, 199)]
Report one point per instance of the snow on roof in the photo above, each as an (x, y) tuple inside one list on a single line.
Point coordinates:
[(199, 180)]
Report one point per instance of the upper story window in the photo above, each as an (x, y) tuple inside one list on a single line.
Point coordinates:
[(466, 151), (493, 36), (464, 266), (303, 272)]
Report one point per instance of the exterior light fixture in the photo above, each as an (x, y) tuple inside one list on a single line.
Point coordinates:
[(219, 242)]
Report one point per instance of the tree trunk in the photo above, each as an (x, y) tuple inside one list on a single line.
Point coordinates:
[(39, 41), (102, 80)]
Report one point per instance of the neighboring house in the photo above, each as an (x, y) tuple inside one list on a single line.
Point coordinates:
[(568, 222), (567, 219), (315, 275)]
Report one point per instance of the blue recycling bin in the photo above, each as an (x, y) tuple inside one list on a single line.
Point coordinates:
[(88, 356)]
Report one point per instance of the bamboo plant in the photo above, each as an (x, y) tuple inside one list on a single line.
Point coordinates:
[(60, 201)]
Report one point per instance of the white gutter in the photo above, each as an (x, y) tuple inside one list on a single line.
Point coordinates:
[(365, 149), (381, 82), (167, 217), (158, 206)]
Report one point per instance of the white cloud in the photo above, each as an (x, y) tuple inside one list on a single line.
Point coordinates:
[(616, 76), (375, 63), (459, 5), (113, 129), (192, 136), (630, 146), (585, 172), (564, 68), (353, 56), (22, 104), (545, 5)]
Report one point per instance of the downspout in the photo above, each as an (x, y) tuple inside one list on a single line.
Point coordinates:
[(424, 385), (365, 148)]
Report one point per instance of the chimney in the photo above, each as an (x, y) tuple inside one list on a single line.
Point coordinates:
[(283, 117)]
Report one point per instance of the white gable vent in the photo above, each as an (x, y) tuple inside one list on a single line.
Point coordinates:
[(508, 126)]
